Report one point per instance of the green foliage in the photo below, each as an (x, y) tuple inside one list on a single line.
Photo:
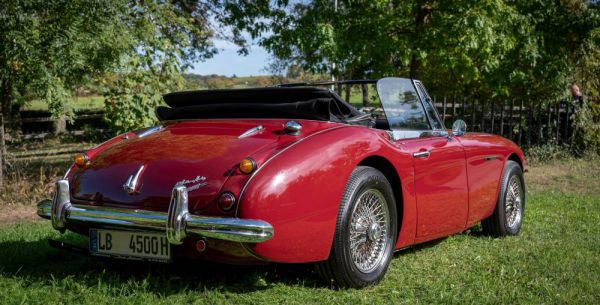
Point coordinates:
[(131, 101), (586, 123), (546, 153), (483, 49), (167, 39), (49, 47)]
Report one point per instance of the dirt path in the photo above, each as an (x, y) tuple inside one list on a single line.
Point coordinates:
[(579, 176), (10, 215)]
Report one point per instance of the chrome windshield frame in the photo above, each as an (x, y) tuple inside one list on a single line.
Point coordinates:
[(401, 134)]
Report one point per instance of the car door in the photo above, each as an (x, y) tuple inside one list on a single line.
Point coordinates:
[(440, 185), (439, 161)]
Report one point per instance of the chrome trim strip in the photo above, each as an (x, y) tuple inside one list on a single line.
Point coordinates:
[(251, 131), (177, 223), (150, 131)]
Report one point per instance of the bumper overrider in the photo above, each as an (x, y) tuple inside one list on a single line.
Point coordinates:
[(177, 223)]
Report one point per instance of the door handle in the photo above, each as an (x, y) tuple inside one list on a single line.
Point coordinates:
[(421, 154)]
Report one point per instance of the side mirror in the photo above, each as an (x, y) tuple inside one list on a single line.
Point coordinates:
[(459, 128)]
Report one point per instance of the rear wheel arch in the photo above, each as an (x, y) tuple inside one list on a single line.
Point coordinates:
[(515, 157), (387, 168)]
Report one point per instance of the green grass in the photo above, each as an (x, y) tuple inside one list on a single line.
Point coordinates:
[(78, 103), (554, 260)]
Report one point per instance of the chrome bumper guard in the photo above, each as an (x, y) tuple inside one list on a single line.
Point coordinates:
[(177, 223)]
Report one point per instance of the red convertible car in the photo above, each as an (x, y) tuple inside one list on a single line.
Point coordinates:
[(290, 174)]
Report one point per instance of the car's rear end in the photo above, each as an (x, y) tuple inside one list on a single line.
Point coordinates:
[(171, 191)]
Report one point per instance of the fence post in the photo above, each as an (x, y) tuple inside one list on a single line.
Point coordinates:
[(444, 112), (502, 118), (473, 115), (557, 122), (512, 107), (548, 129), (493, 106), (566, 122), (453, 108), (520, 121), (482, 116), (529, 123), (540, 124)]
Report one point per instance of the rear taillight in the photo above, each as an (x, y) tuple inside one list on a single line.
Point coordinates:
[(226, 201)]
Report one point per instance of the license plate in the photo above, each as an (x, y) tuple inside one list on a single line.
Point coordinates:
[(130, 245)]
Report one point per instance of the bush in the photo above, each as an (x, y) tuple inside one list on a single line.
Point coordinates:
[(546, 153), (586, 128)]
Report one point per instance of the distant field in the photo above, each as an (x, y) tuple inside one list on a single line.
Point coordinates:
[(97, 101), (84, 103)]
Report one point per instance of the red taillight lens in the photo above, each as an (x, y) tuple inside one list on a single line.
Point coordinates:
[(226, 201)]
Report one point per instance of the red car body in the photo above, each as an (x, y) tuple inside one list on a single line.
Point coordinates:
[(298, 182)]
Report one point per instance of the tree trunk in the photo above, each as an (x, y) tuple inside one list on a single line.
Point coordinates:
[(415, 64), (59, 126), (421, 20), (2, 149), (365, 95), (6, 102), (5, 110)]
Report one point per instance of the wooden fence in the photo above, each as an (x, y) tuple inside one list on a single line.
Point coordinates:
[(40, 122), (514, 119), (527, 124)]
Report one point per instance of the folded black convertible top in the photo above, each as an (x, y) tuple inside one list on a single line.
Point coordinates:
[(271, 102)]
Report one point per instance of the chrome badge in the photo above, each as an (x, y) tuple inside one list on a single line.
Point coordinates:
[(196, 183), (130, 185)]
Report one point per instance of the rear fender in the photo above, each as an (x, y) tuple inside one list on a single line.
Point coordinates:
[(299, 191)]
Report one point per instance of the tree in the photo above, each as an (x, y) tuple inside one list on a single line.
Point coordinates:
[(168, 37), (484, 48), (48, 47)]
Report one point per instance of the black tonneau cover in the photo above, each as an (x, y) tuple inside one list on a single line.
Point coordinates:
[(272, 102)]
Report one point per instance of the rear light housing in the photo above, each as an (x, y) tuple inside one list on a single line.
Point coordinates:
[(226, 201)]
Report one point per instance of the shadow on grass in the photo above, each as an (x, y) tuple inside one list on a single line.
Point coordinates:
[(475, 231), (37, 262)]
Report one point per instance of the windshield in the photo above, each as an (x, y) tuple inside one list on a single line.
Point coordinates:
[(401, 104)]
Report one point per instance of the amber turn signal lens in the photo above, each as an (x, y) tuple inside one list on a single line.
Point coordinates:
[(81, 159), (247, 166), (226, 201)]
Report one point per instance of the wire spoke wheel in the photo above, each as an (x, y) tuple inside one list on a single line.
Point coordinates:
[(513, 202), (365, 231), (369, 227)]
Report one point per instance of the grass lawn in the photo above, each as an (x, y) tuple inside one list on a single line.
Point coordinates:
[(556, 259), (78, 103)]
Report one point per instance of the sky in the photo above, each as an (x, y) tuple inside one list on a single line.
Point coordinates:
[(227, 62)]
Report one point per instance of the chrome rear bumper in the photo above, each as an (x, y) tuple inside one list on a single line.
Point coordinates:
[(177, 223)]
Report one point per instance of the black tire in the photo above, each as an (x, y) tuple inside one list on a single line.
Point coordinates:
[(500, 223), (340, 267)]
